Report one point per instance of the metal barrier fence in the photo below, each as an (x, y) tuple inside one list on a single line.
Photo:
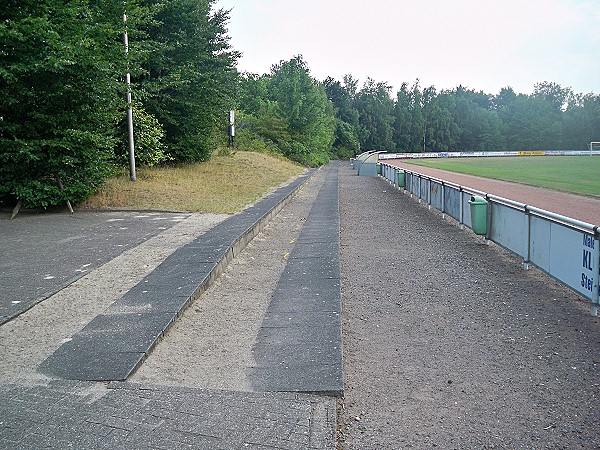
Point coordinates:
[(566, 249)]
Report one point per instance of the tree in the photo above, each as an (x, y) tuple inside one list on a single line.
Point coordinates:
[(188, 77), (479, 124), (302, 102), (442, 131), (253, 93), (59, 98), (581, 121), (375, 108), (417, 120), (553, 94), (347, 125), (403, 119)]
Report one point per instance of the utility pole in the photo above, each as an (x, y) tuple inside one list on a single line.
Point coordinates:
[(132, 176)]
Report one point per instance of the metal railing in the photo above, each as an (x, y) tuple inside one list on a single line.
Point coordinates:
[(566, 249)]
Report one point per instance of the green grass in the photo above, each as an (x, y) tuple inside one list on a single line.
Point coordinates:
[(576, 174), (225, 184)]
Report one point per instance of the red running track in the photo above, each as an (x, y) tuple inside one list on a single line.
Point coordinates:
[(585, 209)]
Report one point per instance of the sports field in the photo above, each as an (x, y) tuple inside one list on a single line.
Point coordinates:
[(576, 174)]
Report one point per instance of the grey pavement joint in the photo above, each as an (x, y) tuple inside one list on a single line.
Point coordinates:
[(80, 414)]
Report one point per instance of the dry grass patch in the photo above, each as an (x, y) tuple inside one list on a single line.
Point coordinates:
[(225, 184)]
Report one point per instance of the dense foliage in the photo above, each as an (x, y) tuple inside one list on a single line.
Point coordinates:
[(422, 119), (62, 90), (287, 111), (59, 99), (186, 74), (62, 100)]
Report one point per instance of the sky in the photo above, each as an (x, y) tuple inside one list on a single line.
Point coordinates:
[(483, 45)]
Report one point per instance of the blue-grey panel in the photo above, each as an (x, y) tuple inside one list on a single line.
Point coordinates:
[(572, 259), (509, 228), (452, 202), (437, 195), (408, 181), (424, 190), (466, 210), (390, 173), (415, 184), (368, 170), (540, 243), (569, 255)]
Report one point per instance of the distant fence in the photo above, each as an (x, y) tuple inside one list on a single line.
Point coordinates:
[(384, 156), (566, 249)]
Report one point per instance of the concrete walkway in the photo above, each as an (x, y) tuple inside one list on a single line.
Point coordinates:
[(87, 415), (79, 397), (65, 248), (115, 343)]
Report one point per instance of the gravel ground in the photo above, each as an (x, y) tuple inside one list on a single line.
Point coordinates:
[(448, 343)]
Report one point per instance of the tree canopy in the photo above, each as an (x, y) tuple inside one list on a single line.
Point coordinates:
[(288, 111), (62, 90), (62, 100), (59, 98)]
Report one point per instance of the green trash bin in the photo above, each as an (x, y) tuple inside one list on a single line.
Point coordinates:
[(478, 215), (400, 178), (378, 168)]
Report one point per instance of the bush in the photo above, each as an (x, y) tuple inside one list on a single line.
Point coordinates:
[(148, 136), (59, 99)]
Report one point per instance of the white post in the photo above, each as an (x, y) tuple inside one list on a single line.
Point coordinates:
[(132, 176)]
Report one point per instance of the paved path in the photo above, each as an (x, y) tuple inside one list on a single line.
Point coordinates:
[(40, 410), (299, 345), (85, 415), (64, 248), (115, 343)]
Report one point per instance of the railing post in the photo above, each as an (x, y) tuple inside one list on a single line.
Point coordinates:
[(443, 200), (596, 284), (528, 253), (429, 194), (488, 220), (461, 208)]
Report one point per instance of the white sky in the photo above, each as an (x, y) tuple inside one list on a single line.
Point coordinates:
[(481, 44)]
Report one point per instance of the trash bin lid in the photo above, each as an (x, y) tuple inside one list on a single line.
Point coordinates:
[(476, 200)]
